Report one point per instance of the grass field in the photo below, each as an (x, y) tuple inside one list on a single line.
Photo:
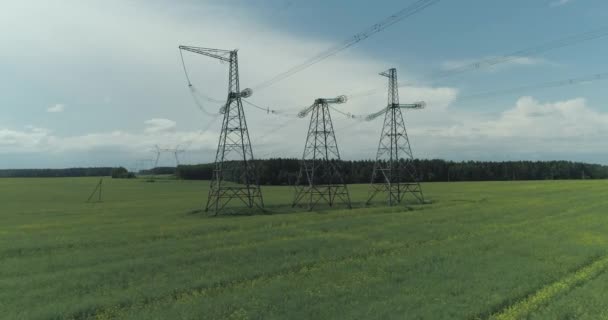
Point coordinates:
[(498, 250)]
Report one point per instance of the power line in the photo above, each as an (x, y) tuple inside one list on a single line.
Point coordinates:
[(195, 91), (272, 111), (196, 95), (543, 85), (202, 131), (372, 116), (199, 104), (347, 114), (531, 51), (258, 107), (181, 54), (380, 26), (512, 56), (537, 86), (276, 128)]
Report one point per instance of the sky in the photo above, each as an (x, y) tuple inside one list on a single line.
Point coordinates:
[(100, 83)]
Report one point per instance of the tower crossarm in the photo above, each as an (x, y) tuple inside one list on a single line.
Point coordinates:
[(306, 111), (336, 100), (375, 115), (416, 105), (223, 55), (321, 101)]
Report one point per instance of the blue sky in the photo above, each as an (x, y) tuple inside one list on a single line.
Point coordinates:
[(100, 83)]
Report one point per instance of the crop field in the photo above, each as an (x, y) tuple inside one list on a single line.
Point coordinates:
[(495, 250)]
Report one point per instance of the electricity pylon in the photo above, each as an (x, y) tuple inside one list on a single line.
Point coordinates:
[(96, 191), (234, 175), (175, 151), (394, 171), (159, 152), (320, 177)]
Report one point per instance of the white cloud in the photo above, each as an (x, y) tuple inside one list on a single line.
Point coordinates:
[(159, 125), (558, 3), (22, 140), (56, 108), (158, 131), (142, 70), (533, 119), (493, 63), (530, 128)]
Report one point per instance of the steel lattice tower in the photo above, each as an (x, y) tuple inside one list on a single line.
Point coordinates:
[(320, 177), (394, 171), (234, 175)]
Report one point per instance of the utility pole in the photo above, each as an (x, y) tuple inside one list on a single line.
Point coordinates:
[(320, 177), (394, 170), (234, 175)]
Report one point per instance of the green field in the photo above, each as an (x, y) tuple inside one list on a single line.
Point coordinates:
[(504, 250)]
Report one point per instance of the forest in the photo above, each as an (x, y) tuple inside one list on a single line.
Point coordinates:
[(56, 173), (281, 171)]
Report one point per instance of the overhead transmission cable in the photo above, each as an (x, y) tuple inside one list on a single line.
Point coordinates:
[(537, 86), (378, 27), (347, 114), (271, 111), (527, 52), (206, 128), (196, 95), (295, 116), (543, 85), (196, 98), (513, 56), (274, 129), (181, 54)]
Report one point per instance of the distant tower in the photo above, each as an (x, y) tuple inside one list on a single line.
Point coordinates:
[(96, 191), (234, 176), (159, 152), (175, 151), (394, 171), (320, 178)]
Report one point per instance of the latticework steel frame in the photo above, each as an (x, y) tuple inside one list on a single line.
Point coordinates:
[(320, 178), (234, 175), (394, 170)]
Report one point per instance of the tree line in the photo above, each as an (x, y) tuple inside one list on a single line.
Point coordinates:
[(55, 173), (281, 171)]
